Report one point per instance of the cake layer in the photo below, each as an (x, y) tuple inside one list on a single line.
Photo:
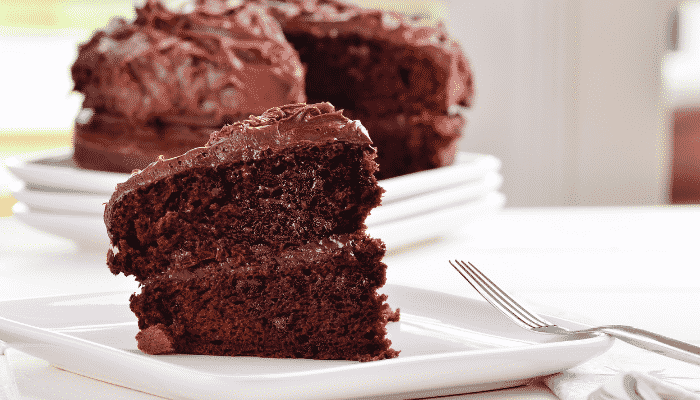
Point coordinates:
[(412, 143), (111, 143), (294, 175), (376, 62), (315, 301), (213, 64)]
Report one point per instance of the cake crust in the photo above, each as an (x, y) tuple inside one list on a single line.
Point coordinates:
[(154, 340)]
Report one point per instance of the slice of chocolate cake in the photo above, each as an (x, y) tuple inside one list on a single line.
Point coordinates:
[(255, 244)]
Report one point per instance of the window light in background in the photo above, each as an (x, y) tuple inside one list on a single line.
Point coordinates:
[(682, 76)]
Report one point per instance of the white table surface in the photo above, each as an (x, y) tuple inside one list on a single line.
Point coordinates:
[(635, 266)]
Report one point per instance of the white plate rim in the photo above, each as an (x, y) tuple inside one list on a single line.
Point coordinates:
[(410, 207), (467, 167), (86, 230), (415, 375), (25, 168), (414, 228), (59, 202)]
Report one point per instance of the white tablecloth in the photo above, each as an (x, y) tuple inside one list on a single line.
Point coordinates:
[(633, 266)]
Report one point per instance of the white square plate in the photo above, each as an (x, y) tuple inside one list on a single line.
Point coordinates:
[(448, 345)]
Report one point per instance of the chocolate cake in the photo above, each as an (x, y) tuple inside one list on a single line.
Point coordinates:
[(161, 84), (403, 76), (255, 244)]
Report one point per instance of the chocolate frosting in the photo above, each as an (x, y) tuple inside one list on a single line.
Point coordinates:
[(201, 68), (246, 140), (332, 18)]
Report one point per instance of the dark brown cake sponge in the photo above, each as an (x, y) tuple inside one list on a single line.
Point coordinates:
[(412, 143), (316, 301)]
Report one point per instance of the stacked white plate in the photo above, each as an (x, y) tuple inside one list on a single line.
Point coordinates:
[(57, 197)]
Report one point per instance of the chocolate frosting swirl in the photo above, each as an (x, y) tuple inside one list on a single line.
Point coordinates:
[(280, 127), (213, 65), (246, 140)]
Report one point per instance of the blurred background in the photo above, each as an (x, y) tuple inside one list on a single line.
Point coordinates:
[(586, 102)]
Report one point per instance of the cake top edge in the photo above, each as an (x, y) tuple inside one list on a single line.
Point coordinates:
[(280, 126), (332, 19), (335, 18)]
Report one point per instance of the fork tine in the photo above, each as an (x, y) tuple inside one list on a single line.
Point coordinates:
[(485, 292), (497, 297), (515, 305), (494, 296)]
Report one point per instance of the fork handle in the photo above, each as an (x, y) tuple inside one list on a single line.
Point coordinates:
[(654, 342)]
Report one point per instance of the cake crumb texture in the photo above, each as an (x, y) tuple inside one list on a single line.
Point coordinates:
[(154, 340)]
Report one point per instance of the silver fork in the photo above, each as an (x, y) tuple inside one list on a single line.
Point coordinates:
[(532, 321)]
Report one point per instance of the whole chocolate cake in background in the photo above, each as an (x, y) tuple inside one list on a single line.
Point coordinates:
[(160, 85), (255, 244)]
